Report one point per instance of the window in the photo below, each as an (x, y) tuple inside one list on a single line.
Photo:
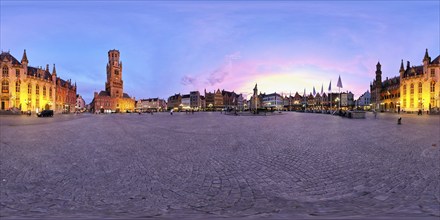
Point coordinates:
[(411, 90), (50, 92), (411, 103), (5, 86), (420, 88), (5, 71), (116, 72), (432, 72), (404, 103), (17, 87), (37, 90), (17, 73), (29, 89), (44, 91), (404, 89)]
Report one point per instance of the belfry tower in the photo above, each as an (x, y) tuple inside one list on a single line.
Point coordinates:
[(114, 85)]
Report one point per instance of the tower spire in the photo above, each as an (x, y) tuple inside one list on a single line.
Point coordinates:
[(427, 58), (24, 59), (401, 67), (54, 71)]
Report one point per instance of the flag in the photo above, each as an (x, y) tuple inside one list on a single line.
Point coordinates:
[(330, 86), (339, 85), (322, 89), (314, 92)]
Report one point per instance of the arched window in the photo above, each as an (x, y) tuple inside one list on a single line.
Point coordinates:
[(29, 89), (433, 87), (420, 88), (44, 91), (411, 89), (17, 73), (17, 87), (50, 92), (5, 71), (37, 90), (5, 86), (404, 89)]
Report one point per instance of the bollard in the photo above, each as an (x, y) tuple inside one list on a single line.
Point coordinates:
[(399, 121)]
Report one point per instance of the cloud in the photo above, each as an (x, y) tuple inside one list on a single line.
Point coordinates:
[(217, 76), (188, 80)]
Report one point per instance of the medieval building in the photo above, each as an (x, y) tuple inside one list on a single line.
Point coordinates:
[(113, 99), (27, 88)]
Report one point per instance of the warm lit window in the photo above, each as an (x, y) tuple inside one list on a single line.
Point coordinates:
[(44, 91), (17, 87), (411, 89), (5, 71), (29, 89), (5, 86), (433, 87), (17, 73), (411, 103), (420, 88), (404, 103), (432, 72), (37, 90)]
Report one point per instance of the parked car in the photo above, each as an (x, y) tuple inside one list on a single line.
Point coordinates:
[(45, 113)]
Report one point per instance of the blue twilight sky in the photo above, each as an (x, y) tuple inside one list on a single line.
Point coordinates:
[(179, 46)]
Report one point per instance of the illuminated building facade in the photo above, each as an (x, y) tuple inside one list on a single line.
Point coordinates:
[(113, 99), (417, 88), (28, 88), (419, 85)]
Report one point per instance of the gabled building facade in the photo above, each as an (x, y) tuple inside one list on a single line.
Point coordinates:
[(27, 88)]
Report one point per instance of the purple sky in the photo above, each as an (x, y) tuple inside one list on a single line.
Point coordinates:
[(176, 47)]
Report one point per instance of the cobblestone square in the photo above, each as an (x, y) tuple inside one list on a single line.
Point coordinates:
[(208, 165)]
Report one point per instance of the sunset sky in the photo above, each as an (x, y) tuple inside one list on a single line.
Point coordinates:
[(177, 47)]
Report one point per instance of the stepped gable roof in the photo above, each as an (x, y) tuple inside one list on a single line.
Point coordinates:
[(9, 57)]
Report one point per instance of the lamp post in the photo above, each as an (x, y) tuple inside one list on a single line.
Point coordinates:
[(337, 100)]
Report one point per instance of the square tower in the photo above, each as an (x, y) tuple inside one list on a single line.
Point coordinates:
[(114, 85)]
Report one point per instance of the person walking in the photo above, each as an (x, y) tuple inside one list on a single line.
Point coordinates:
[(375, 114)]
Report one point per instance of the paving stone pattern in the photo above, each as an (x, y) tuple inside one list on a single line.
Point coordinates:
[(290, 165)]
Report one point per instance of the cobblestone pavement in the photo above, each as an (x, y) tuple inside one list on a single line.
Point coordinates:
[(291, 165)]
